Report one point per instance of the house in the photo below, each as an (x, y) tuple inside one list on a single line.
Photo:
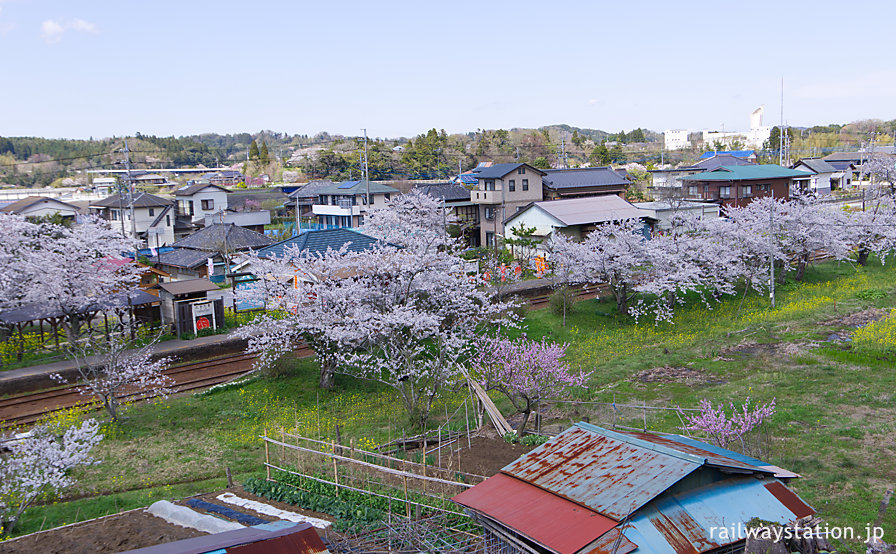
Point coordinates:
[(217, 242), (104, 185), (502, 190), (186, 263), (41, 206), (594, 490), (254, 220), (820, 176), (664, 210), (301, 199), (344, 204), (456, 198), (738, 185), (666, 181), (224, 177), (200, 199), (586, 181), (153, 216), (575, 217)]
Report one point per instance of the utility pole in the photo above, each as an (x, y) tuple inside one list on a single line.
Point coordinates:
[(366, 170), (127, 166), (563, 153), (771, 251), (781, 128)]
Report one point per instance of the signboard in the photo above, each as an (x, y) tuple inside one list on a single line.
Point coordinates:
[(203, 316)]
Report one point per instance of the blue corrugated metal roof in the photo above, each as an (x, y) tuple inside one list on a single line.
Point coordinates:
[(317, 242), (693, 520), (738, 153)]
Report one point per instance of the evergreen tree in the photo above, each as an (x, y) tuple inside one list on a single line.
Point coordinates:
[(600, 155), (253, 151), (264, 156)]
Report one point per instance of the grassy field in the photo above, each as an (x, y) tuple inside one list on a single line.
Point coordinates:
[(834, 425)]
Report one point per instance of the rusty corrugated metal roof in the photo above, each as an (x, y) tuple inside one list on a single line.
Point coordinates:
[(708, 517), (606, 544), (608, 472), (556, 523)]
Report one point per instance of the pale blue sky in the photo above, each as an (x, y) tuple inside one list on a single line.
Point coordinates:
[(102, 68)]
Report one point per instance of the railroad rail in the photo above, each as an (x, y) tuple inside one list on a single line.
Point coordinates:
[(28, 408)]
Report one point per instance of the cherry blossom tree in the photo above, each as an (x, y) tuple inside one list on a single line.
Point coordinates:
[(113, 367), (526, 371), (873, 230), (18, 238), (40, 463), (406, 317), (566, 266), (615, 253), (67, 271), (414, 220), (724, 429), (882, 169)]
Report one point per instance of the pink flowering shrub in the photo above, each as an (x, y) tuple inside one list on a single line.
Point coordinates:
[(728, 431)]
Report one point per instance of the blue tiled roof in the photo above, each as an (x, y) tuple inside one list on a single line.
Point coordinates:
[(319, 241), (736, 153)]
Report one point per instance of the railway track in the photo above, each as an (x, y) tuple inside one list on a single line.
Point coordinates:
[(581, 293), (25, 409)]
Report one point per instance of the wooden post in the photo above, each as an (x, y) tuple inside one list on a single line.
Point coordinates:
[(424, 460), (335, 468), (267, 454), (439, 463), (406, 504), (283, 446), (467, 421)]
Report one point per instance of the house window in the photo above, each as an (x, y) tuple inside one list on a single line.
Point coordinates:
[(521, 171), (152, 212), (388, 196), (724, 192), (489, 238), (208, 204), (489, 214), (167, 221), (692, 191), (746, 191), (190, 203), (525, 184), (114, 215), (511, 186), (490, 184)]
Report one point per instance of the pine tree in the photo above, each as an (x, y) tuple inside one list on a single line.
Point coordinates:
[(264, 156), (253, 151)]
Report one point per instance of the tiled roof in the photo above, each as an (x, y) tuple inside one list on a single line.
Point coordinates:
[(744, 173), (311, 189), (141, 200), (29, 201), (497, 171), (721, 160), (358, 187), (583, 177), (214, 237), (817, 165), (320, 241), (193, 189), (448, 191), (591, 209), (187, 258)]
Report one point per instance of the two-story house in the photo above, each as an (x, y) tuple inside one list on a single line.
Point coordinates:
[(200, 199), (153, 217), (501, 191), (344, 204), (738, 185)]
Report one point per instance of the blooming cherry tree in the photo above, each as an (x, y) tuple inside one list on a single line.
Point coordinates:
[(615, 253), (724, 429), (39, 463), (526, 371), (113, 367)]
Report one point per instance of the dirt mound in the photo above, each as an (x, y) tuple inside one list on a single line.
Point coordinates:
[(752, 348), (670, 375), (858, 319), (116, 533)]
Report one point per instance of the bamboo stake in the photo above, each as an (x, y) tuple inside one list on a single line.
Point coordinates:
[(267, 454), (406, 505), (335, 470)]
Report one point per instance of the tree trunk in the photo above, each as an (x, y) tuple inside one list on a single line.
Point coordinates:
[(327, 372), (863, 256), (801, 266), (522, 428), (621, 298)]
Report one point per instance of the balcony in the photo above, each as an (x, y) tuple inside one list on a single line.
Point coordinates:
[(327, 209), (485, 196)]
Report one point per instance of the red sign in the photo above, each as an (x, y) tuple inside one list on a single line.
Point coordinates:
[(203, 323)]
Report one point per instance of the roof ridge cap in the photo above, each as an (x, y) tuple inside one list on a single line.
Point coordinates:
[(642, 443)]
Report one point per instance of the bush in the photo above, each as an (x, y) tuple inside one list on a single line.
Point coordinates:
[(872, 294), (561, 295), (526, 440)]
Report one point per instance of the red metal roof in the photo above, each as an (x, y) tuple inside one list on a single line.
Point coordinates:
[(600, 469), (556, 523), (606, 543)]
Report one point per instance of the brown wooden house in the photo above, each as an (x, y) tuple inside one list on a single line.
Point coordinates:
[(739, 185)]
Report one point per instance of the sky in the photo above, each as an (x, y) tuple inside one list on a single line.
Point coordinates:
[(96, 68)]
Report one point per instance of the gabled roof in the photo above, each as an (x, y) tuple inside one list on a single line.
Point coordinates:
[(583, 177), (582, 211), (318, 242), (311, 189), (715, 162), (841, 166), (141, 200), (29, 201), (497, 171), (817, 165), (193, 189), (214, 237), (745, 173), (735, 153), (188, 286), (351, 188), (187, 258), (449, 191), (845, 157)]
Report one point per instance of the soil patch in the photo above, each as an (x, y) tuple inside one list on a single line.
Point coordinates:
[(670, 375), (858, 319), (116, 533), (755, 349), (487, 453)]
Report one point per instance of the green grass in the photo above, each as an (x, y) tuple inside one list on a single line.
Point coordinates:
[(834, 424)]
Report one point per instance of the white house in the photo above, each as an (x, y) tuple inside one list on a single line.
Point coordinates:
[(820, 176), (153, 217), (199, 200), (41, 206), (663, 211), (344, 204)]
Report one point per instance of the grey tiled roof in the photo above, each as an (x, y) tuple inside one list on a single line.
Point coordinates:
[(497, 171), (583, 177), (187, 258), (358, 187), (213, 237), (193, 189), (141, 200), (817, 165), (448, 191), (720, 160)]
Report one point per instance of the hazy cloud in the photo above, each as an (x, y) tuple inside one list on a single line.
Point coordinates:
[(52, 31), (5, 26)]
